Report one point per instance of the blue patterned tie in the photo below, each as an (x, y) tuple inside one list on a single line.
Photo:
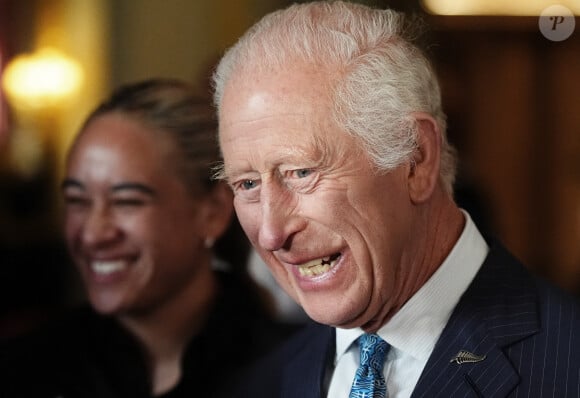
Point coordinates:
[(369, 381)]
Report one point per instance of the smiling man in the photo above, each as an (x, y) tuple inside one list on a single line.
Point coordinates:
[(333, 139)]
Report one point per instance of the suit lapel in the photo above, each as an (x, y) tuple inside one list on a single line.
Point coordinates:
[(306, 372), (496, 311)]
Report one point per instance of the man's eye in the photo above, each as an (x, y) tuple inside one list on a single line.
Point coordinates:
[(301, 173), (248, 184)]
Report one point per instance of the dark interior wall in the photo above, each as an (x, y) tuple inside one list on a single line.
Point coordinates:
[(512, 99), (176, 38)]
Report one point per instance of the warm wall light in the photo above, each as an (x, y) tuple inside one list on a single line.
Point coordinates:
[(41, 79), (495, 7), (3, 116)]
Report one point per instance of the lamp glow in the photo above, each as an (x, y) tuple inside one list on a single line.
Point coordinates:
[(495, 7), (41, 79)]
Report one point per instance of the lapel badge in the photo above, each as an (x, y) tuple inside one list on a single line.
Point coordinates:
[(466, 357)]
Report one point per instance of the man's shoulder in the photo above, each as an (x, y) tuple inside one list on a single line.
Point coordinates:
[(505, 284), (525, 332), (519, 307), (509, 275), (558, 306)]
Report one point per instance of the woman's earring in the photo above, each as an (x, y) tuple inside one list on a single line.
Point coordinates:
[(208, 242)]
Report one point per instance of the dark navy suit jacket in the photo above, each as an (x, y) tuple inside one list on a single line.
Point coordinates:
[(528, 331)]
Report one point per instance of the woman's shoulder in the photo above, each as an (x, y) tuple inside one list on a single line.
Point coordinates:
[(75, 352)]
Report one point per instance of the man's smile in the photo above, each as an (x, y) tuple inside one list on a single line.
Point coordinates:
[(318, 266)]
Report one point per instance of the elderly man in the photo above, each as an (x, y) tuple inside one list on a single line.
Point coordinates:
[(333, 139)]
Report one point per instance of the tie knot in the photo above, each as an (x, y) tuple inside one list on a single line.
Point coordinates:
[(373, 350)]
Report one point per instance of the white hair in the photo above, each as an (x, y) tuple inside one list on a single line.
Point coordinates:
[(384, 77)]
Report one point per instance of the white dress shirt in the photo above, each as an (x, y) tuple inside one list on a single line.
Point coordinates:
[(413, 331)]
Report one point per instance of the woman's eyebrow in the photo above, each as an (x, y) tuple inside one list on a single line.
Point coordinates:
[(71, 183), (134, 186)]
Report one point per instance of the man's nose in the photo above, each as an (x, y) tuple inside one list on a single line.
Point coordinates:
[(280, 220), (99, 229)]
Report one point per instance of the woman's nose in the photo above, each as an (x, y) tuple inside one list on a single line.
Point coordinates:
[(99, 229)]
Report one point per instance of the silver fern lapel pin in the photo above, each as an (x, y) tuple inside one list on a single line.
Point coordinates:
[(467, 357)]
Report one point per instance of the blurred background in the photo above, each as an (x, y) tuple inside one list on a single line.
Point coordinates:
[(512, 96)]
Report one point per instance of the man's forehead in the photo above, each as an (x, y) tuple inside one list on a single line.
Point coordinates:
[(288, 93), (253, 77)]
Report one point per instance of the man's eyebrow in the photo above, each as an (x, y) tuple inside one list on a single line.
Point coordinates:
[(134, 186)]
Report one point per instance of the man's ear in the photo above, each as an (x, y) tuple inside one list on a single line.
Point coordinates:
[(424, 168), (219, 210)]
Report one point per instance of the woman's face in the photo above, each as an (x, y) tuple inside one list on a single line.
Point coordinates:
[(133, 229)]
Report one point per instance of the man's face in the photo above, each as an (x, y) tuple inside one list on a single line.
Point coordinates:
[(131, 226), (331, 229)]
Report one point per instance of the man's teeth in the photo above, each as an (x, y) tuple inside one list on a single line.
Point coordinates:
[(107, 267), (318, 266)]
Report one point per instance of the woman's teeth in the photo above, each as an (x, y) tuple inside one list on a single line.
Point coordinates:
[(318, 266), (107, 267)]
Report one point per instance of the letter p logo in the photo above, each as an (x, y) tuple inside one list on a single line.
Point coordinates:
[(557, 23)]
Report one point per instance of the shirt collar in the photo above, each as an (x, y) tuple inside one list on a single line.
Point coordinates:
[(416, 327)]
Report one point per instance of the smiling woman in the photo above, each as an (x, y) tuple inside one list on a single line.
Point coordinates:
[(141, 218)]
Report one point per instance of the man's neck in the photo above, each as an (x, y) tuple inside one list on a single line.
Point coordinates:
[(438, 226)]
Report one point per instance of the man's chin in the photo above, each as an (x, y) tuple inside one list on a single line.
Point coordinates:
[(335, 316)]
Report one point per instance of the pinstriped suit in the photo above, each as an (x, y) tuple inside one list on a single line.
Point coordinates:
[(528, 331)]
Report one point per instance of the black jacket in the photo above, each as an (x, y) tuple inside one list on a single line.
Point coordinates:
[(86, 355), (527, 331)]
